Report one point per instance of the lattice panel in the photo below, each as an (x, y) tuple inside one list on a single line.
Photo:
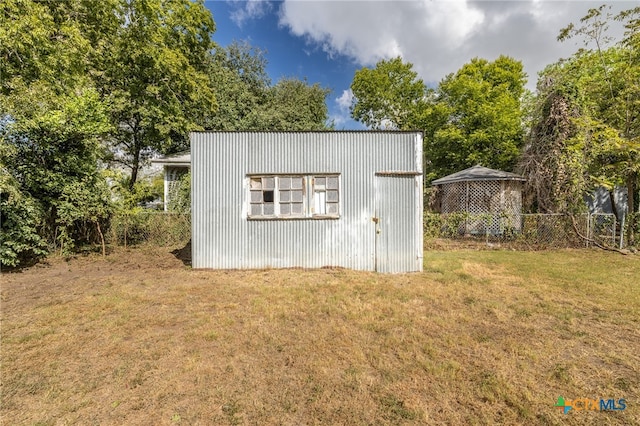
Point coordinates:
[(491, 207), (453, 198)]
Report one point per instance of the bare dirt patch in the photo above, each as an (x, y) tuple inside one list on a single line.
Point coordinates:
[(478, 338)]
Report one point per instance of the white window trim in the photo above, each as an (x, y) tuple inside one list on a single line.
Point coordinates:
[(308, 198)]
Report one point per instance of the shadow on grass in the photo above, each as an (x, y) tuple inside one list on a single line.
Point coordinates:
[(183, 254), (25, 264)]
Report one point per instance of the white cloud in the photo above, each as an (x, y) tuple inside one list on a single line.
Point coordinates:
[(250, 9), (344, 100), (342, 113), (439, 36)]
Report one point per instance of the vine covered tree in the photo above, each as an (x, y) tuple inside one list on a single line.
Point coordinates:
[(588, 110)]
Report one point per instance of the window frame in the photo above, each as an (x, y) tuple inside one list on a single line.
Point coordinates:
[(308, 201)]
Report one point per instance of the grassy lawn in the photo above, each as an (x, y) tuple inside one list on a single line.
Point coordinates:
[(480, 337)]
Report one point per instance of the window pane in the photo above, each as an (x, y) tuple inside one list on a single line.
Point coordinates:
[(256, 209), (284, 183), (268, 196), (320, 182), (332, 196), (255, 183), (268, 183), (332, 208), (285, 196), (256, 196), (296, 208), (296, 182), (319, 202), (296, 196), (332, 182), (285, 209), (268, 209)]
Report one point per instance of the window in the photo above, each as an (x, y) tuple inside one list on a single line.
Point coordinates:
[(294, 196), (325, 195)]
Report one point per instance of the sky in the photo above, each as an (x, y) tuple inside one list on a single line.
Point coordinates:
[(326, 41)]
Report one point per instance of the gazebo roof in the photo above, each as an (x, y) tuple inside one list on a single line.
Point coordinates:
[(179, 159), (477, 173)]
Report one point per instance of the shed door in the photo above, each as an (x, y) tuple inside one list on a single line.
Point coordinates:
[(399, 223)]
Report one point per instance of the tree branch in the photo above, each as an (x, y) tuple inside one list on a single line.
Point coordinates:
[(595, 243)]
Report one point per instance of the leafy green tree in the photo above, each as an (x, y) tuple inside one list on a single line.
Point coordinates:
[(293, 104), (83, 209), (241, 85), (153, 75), (20, 224), (51, 150), (52, 122), (476, 118), (39, 43), (388, 96), (248, 101)]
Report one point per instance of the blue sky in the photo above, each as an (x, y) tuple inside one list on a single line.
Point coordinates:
[(326, 41), (288, 55)]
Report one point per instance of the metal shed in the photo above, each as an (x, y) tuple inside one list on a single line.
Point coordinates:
[(491, 199), (348, 199)]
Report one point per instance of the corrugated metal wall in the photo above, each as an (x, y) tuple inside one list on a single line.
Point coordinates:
[(398, 245), (223, 237)]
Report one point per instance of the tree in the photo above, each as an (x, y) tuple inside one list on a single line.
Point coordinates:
[(601, 86), (552, 161), (248, 101), (293, 104), (50, 151), (153, 74), (476, 118), (20, 224), (241, 86), (388, 96), (52, 122)]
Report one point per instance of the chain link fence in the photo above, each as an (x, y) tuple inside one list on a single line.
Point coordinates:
[(525, 231), (152, 227), (522, 231)]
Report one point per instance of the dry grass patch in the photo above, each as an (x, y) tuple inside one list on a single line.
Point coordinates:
[(478, 338)]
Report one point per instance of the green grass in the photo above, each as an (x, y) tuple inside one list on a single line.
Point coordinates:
[(480, 337)]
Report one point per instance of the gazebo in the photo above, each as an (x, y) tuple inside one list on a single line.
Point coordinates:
[(490, 199)]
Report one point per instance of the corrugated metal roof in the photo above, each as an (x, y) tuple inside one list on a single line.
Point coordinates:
[(476, 173)]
